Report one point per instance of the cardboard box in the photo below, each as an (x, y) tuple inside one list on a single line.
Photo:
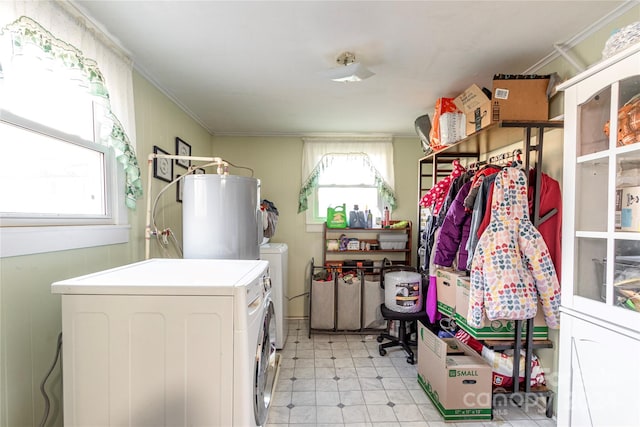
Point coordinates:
[(446, 290), (628, 209), (477, 108), (493, 329), (456, 378), (519, 97)]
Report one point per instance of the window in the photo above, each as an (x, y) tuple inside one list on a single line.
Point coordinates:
[(346, 180), (350, 171), (46, 176), (61, 174)]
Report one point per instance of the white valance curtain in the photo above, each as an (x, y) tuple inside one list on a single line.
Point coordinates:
[(377, 154), (62, 34)]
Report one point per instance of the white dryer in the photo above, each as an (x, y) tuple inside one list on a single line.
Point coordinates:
[(169, 342), (277, 254)]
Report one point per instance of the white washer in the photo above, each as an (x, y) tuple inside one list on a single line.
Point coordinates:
[(170, 342), (277, 254)]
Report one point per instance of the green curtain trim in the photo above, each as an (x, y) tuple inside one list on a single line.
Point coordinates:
[(311, 183), (24, 31)]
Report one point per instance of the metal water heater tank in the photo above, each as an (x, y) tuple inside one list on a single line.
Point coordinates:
[(221, 217)]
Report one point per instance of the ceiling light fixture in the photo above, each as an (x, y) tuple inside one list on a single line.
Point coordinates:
[(350, 70)]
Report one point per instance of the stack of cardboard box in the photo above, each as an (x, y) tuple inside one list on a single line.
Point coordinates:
[(514, 97)]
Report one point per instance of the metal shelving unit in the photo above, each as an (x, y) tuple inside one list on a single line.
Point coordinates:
[(492, 138)]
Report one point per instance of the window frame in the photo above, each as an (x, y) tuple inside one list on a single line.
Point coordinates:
[(33, 234)]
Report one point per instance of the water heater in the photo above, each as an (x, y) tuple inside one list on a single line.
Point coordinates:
[(221, 217)]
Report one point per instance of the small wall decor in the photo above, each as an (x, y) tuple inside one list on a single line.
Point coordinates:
[(179, 188), (162, 168), (199, 171), (182, 149)]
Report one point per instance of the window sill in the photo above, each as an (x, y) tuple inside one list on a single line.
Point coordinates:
[(17, 241)]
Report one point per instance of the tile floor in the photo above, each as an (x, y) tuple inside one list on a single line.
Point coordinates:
[(341, 380)]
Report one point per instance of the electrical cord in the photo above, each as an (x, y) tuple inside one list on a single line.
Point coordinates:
[(47, 403), (241, 167)]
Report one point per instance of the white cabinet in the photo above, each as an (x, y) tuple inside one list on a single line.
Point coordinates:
[(600, 325), (599, 383)]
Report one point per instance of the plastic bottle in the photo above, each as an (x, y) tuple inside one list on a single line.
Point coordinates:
[(386, 219), (356, 218)]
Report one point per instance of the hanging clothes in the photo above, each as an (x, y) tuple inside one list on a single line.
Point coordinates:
[(436, 195), (431, 304), (551, 229), (478, 178), (512, 268), (454, 233), (477, 215), (435, 221)]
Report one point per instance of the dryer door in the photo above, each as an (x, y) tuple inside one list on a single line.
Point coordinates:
[(265, 368)]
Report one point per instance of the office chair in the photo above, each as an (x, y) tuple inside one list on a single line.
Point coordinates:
[(404, 319)]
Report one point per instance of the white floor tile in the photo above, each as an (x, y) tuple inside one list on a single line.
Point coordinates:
[(327, 398), (382, 413), (304, 384), (355, 414), (375, 397), (352, 398)]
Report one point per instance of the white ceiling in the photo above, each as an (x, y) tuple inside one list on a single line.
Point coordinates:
[(256, 68)]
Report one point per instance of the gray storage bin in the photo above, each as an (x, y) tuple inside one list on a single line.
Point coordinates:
[(322, 304), (373, 298), (349, 304)]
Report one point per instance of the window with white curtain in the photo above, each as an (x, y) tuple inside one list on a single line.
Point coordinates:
[(346, 170), (53, 167), (68, 170)]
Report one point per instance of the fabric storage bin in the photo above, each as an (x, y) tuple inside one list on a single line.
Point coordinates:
[(373, 298), (322, 304), (348, 304), (393, 241)]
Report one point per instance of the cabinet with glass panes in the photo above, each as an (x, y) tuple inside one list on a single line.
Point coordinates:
[(600, 312), (602, 191)]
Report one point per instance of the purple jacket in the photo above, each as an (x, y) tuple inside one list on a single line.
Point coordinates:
[(454, 233)]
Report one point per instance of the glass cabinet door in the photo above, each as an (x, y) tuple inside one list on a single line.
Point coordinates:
[(607, 198), (625, 277)]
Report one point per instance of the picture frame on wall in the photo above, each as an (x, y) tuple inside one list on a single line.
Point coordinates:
[(182, 149), (162, 168), (179, 187)]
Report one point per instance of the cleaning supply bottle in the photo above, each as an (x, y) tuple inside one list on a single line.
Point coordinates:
[(356, 218), (386, 219)]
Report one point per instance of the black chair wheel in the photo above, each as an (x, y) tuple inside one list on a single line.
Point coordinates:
[(379, 338), (410, 360), (382, 351)]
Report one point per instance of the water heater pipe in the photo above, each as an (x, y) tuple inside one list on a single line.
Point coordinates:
[(222, 169)]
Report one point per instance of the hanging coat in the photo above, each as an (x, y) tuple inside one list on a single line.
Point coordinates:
[(454, 232), (511, 268), (435, 197)]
